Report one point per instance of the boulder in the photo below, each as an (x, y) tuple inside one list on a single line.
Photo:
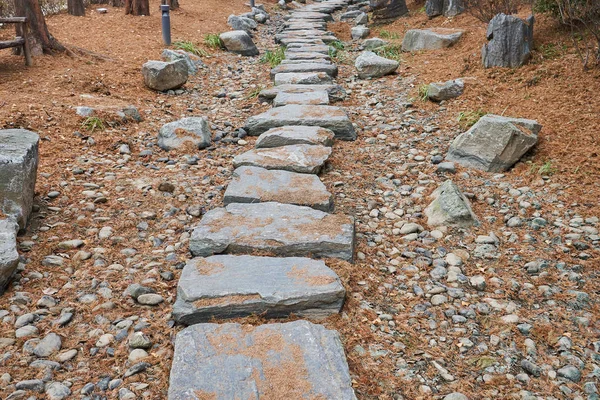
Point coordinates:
[(373, 43), (192, 62), (9, 258), (18, 173), (191, 129), (290, 135), (510, 42), (449, 207), (494, 143), (242, 23), (370, 65), (439, 91), (359, 32), (386, 10), (161, 75), (228, 286), (302, 158), (430, 39), (361, 19), (293, 360), (239, 42), (448, 8)]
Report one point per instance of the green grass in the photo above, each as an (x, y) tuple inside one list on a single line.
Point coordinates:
[(467, 119), (424, 92), (254, 93), (213, 41), (190, 47), (273, 58), (337, 44), (391, 51), (92, 124), (546, 169), (552, 51), (338, 56), (385, 34)]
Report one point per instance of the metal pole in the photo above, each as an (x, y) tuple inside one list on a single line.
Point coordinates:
[(252, 3), (166, 24)]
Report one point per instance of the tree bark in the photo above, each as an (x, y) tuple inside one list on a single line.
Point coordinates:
[(137, 7), (76, 8), (384, 10), (117, 3), (173, 4), (40, 40)]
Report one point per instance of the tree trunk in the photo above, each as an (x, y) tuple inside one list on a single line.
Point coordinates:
[(40, 40), (75, 7), (384, 10), (117, 3), (137, 7), (173, 4)]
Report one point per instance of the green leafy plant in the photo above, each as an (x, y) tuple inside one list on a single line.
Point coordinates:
[(337, 44), (190, 47), (467, 119), (551, 51), (424, 92), (547, 169), (92, 124), (385, 34), (213, 41), (273, 58), (391, 51)]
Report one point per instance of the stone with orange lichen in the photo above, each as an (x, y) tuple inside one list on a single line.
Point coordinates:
[(295, 360), (330, 117), (246, 285), (301, 158), (281, 229), (259, 185)]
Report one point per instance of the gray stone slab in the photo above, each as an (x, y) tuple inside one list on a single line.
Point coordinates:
[(430, 39), (306, 55), (259, 185), (304, 41), (9, 258), (301, 26), (290, 135), (329, 69), (230, 286), (335, 92), (308, 15), (295, 360), (315, 48), (324, 60), (280, 229), (301, 158), (313, 97), (18, 173), (302, 78), (330, 117)]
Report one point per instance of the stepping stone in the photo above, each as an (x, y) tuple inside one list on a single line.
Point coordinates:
[(300, 47), (306, 55), (301, 26), (307, 15), (295, 360), (300, 78), (311, 61), (333, 118), (296, 37), (335, 92), (303, 41), (329, 69), (303, 33), (280, 229), (289, 135), (301, 158), (314, 98), (259, 185), (226, 286), (430, 39)]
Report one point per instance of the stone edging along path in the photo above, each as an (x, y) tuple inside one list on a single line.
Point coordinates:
[(276, 204)]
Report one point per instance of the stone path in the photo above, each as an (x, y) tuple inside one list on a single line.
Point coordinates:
[(275, 205)]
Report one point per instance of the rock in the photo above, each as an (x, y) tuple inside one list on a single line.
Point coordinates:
[(175, 55), (510, 42), (162, 76), (449, 207), (335, 92), (281, 229), (166, 187), (531, 368), (301, 158), (9, 257), (71, 244), (258, 185), (138, 340), (239, 42), (570, 372), (136, 369), (228, 286), (191, 129), (291, 135), (361, 19), (388, 10), (302, 78), (494, 143), (306, 98), (294, 360), (150, 299), (448, 8), (125, 113), (352, 14), (359, 32), (373, 43), (329, 117), (49, 345), (34, 385), (137, 355), (370, 65), (305, 56), (430, 39), (242, 23), (455, 396), (445, 90), (18, 173), (328, 68), (57, 391)]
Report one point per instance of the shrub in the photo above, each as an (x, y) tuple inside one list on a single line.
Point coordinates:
[(485, 10)]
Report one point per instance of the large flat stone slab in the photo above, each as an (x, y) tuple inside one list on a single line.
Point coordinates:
[(9, 258), (289, 135), (329, 69), (307, 61), (301, 158), (430, 39), (18, 173), (295, 360), (315, 48), (291, 37), (306, 55), (310, 98), (228, 286), (335, 92), (260, 185), (333, 118), (281, 229), (302, 78), (308, 15)]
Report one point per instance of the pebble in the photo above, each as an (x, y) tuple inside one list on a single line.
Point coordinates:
[(150, 299)]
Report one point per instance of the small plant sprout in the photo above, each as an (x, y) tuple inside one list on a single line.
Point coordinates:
[(273, 58), (190, 47), (213, 41), (92, 124)]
